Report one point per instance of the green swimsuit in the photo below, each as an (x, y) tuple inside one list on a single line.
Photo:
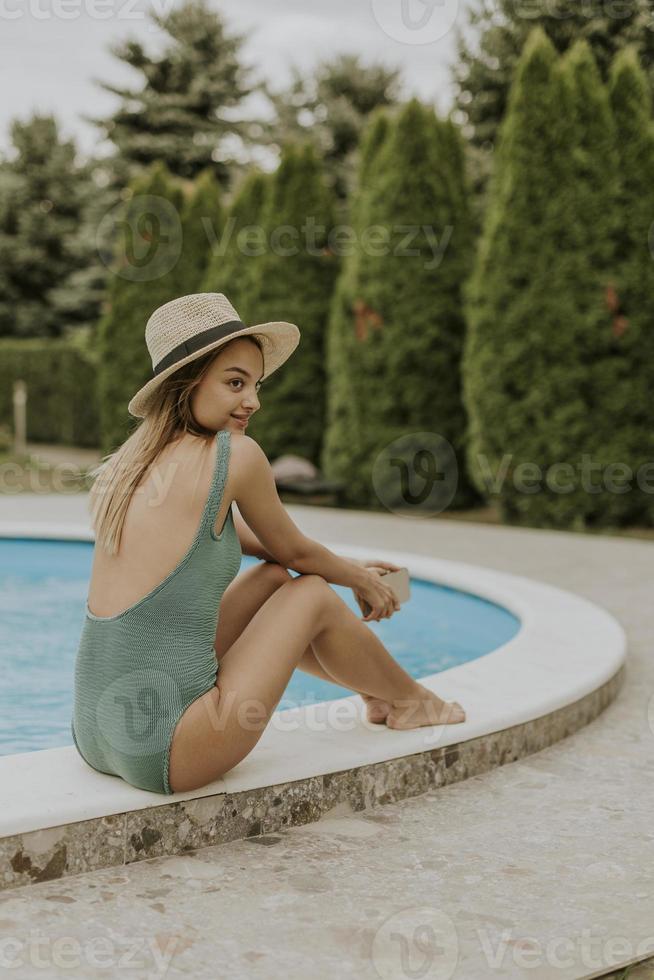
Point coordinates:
[(137, 672)]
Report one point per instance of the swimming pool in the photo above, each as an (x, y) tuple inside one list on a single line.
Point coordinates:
[(43, 588)]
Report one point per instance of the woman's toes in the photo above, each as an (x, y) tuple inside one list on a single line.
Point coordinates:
[(376, 709), (377, 715), (402, 721), (451, 713)]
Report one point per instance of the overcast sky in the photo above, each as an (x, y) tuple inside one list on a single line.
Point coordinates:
[(52, 50)]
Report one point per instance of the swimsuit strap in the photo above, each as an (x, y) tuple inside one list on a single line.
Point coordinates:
[(217, 487)]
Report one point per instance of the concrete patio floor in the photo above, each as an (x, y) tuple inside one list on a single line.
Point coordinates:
[(543, 868)]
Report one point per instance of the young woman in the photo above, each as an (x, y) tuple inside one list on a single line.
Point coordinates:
[(177, 650)]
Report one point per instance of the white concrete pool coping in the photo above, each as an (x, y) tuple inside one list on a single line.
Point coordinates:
[(567, 648)]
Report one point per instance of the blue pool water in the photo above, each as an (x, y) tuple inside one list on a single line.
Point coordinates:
[(43, 590)]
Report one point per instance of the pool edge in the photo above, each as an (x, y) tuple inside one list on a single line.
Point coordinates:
[(559, 672), (179, 827)]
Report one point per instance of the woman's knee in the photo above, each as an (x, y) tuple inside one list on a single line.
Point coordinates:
[(316, 590), (276, 574)]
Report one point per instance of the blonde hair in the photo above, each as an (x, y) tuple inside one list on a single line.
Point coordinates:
[(119, 474)]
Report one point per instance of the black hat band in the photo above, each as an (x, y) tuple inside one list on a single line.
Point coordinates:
[(196, 343)]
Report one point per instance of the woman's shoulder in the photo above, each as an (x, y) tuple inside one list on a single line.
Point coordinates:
[(246, 455), (185, 452), (183, 468), (196, 457)]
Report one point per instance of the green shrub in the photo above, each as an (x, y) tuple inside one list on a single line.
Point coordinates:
[(556, 395), (61, 390), (295, 287), (397, 312)]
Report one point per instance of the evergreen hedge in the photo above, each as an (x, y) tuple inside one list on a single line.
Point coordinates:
[(626, 374), (342, 443), (232, 265), (202, 219), (544, 384), (61, 390), (293, 281), (402, 309), (139, 284)]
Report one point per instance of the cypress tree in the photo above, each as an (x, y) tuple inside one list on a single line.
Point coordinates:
[(518, 299), (408, 321), (595, 170), (332, 107), (294, 279), (597, 220), (489, 53), (149, 245), (453, 149), (44, 193), (341, 445), (372, 145), (231, 268), (625, 374), (202, 218), (534, 301), (185, 107)]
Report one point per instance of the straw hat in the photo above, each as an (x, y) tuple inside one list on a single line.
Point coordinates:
[(189, 326)]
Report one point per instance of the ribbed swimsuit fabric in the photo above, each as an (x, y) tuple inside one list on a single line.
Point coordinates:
[(137, 672)]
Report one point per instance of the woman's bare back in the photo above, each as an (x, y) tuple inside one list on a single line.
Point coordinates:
[(162, 519)]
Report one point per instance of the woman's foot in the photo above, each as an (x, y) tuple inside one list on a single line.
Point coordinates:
[(376, 709), (425, 709)]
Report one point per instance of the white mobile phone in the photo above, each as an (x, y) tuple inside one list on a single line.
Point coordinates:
[(399, 582)]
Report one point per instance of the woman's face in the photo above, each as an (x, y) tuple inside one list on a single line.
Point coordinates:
[(229, 387)]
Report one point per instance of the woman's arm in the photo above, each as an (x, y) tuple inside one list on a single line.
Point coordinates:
[(271, 534), (318, 560), (250, 544), (334, 568)]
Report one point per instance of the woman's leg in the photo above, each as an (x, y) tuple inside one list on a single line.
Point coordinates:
[(241, 600), (376, 709), (221, 727), (341, 662), (338, 658)]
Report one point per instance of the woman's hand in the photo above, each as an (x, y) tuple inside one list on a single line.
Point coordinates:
[(379, 596), (386, 565)]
